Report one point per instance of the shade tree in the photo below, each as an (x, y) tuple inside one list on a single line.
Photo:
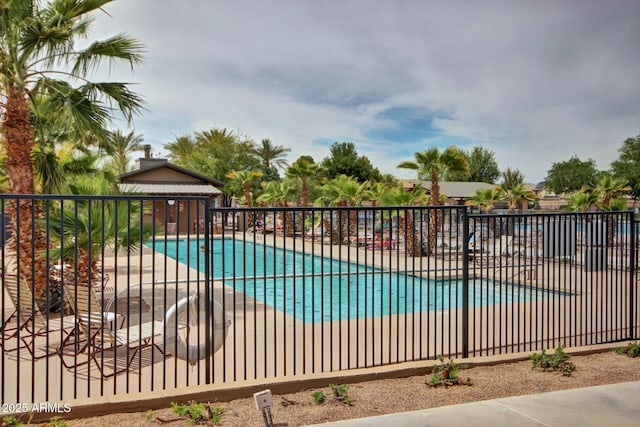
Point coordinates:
[(344, 160), (627, 165), (571, 175)]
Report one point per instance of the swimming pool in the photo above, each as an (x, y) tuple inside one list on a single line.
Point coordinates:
[(314, 288)]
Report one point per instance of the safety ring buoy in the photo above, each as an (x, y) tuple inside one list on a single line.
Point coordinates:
[(189, 315)]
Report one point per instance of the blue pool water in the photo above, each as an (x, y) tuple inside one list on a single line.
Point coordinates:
[(315, 288)]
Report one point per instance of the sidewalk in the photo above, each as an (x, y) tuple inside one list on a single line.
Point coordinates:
[(609, 405)]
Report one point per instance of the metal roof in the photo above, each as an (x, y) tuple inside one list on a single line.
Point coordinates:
[(168, 188), (460, 190)]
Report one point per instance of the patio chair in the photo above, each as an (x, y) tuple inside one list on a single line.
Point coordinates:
[(30, 321), (103, 332)]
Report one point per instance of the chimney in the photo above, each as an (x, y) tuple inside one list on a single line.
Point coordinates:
[(148, 160)]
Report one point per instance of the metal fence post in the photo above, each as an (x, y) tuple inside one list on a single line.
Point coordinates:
[(465, 284), (208, 289), (633, 275)]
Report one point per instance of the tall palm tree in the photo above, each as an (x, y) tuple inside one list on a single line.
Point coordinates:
[(39, 57), (432, 164), (120, 147), (303, 169), (180, 149), (271, 154)]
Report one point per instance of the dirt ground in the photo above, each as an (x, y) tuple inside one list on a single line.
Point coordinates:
[(397, 395)]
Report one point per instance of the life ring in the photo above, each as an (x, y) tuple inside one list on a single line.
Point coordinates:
[(187, 314)]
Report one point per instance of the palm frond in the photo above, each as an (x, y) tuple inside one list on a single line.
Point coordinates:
[(120, 47)]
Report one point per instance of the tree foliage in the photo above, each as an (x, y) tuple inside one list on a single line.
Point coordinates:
[(627, 165), (344, 160), (215, 153), (483, 167), (271, 155), (37, 47), (432, 164), (511, 178), (571, 175), (304, 170)]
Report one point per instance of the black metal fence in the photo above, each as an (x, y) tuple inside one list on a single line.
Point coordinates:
[(114, 295)]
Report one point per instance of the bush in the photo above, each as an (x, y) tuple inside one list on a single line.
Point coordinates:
[(559, 361), (632, 349), (446, 373)]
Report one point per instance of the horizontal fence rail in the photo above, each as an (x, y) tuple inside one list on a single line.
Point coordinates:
[(124, 294)]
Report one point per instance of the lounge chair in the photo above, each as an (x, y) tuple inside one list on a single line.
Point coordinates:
[(30, 321), (474, 248), (104, 333)]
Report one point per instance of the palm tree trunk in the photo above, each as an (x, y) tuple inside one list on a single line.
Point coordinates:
[(27, 242), (433, 214), (288, 223), (405, 226), (353, 222)]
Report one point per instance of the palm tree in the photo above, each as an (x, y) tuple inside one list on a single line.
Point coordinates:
[(398, 196), (303, 169), (485, 199), (433, 164), (511, 178), (342, 191), (36, 47), (271, 154), (120, 147), (246, 179), (181, 149), (582, 201), (376, 191), (278, 193), (610, 191), (80, 230), (516, 195)]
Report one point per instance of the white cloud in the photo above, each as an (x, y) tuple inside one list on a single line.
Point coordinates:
[(535, 82)]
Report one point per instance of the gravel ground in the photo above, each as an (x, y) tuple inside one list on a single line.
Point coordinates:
[(398, 395)]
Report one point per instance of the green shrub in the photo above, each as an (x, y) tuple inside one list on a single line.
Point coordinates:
[(194, 411), (341, 393), (318, 397), (56, 422), (559, 361), (216, 414), (632, 349), (446, 373), (11, 421)]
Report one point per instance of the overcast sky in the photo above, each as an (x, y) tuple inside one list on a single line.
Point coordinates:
[(535, 82)]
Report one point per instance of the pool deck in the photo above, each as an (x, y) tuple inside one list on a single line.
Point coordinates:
[(265, 346)]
